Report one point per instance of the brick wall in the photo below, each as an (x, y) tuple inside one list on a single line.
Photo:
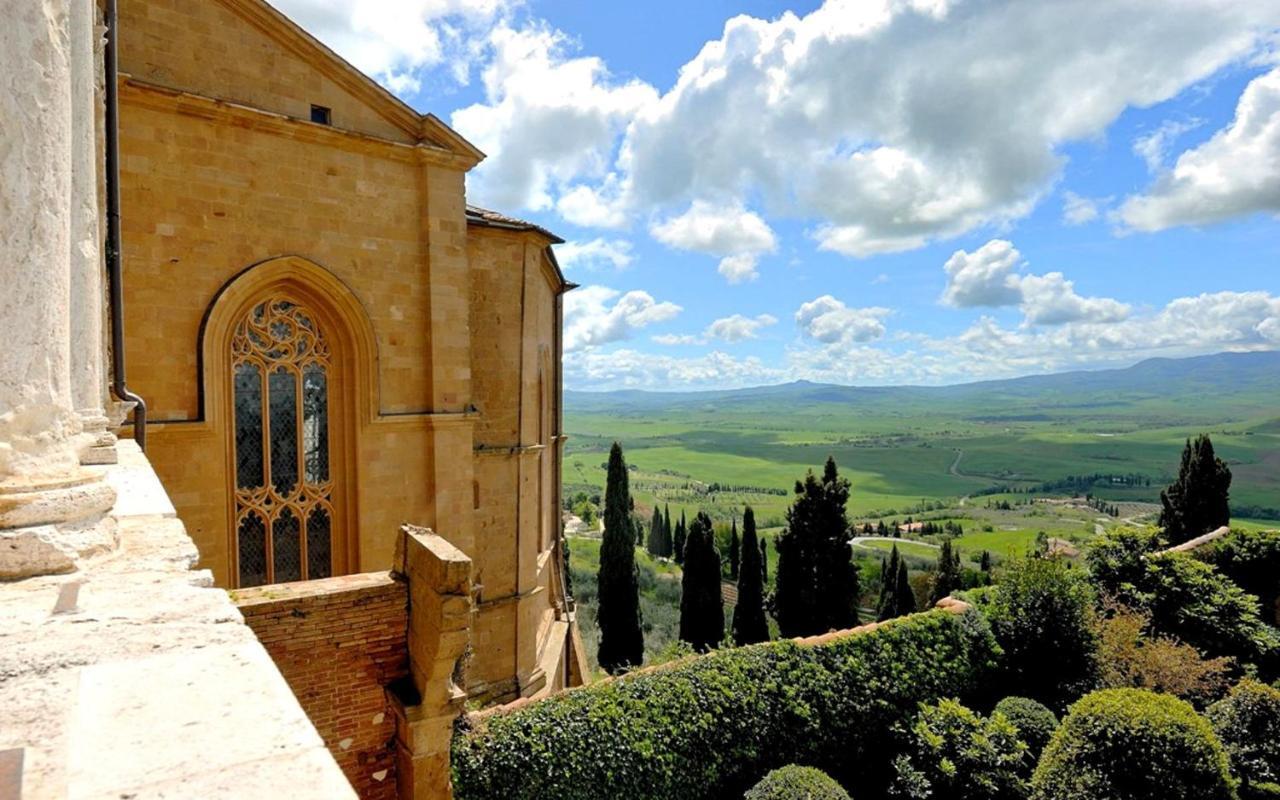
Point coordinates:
[(338, 642)]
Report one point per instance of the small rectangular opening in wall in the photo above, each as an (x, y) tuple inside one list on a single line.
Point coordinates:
[(321, 114)]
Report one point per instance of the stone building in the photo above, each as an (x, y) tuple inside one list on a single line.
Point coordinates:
[(351, 383)]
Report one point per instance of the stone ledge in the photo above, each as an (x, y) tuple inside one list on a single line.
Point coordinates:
[(133, 678), (260, 599)]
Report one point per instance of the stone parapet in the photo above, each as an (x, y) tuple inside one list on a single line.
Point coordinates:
[(132, 677)]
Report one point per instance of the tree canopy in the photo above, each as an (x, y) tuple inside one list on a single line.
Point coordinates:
[(817, 582)]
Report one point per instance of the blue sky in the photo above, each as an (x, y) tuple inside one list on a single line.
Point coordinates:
[(870, 191)]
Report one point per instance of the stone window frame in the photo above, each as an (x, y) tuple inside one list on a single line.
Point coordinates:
[(352, 394)]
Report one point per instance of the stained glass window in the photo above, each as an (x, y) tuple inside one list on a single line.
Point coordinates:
[(248, 400), (319, 561), (252, 538), (287, 558), (281, 365)]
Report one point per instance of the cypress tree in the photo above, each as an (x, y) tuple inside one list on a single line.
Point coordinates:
[(1197, 502), (985, 564), (817, 584), (764, 559), (947, 577), (904, 598), (678, 543), (888, 605), (618, 610), (749, 623), (734, 554), (654, 541), (668, 545), (701, 606)]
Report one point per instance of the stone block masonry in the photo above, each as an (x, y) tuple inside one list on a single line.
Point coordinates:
[(338, 642)]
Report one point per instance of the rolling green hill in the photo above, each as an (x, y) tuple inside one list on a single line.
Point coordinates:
[(905, 445)]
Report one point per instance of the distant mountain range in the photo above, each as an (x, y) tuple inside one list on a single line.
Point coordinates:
[(1239, 379)]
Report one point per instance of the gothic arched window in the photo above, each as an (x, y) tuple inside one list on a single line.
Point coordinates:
[(284, 498)]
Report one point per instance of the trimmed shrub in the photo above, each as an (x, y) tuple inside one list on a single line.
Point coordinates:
[(957, 754), (708, 726), (1042, 616), (1034, 721), (1130, 744), (1248, 723), (793, 782)]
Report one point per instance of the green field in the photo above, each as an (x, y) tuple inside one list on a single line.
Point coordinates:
[(907, 448)]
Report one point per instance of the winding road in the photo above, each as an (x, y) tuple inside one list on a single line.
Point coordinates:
[(858, 540)]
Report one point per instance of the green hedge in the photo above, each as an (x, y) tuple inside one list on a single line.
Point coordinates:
[(797, 783), (1131, 744), (711, 726)]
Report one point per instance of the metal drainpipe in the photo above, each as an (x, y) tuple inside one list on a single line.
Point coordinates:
[(115, 284)]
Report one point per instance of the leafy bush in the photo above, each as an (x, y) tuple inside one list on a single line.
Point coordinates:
[(797, 783), (1130, 657), (1034, 721), (708, 726), (1187, 599), (1042, 616), (957, 754), (1251, 559), (1131, 744), (1248, 723)]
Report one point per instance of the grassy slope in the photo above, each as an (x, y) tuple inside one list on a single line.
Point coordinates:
[(899, 446)]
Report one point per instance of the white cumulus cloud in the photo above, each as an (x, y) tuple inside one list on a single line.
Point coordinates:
[(598, 315), (829, 320), (548, 121), (738, 328), (1235, 173), (396, 41), (990, 277), (595, 253), (738, 236)]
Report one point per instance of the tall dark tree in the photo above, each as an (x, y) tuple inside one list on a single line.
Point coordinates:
[(678, 542), (887, 607), (947, 577), (618, 609), (1197, 502), (668, 545), (904, 597), (764, 559), (701, 606), (985, 564), (734, 553), (654, 541), (817, 582), (749, 623)]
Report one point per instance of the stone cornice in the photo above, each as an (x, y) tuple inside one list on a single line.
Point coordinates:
[(144, 94)]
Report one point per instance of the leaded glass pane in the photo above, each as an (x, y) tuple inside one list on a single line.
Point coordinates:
[(248, 400), (315, 424), (282, 390), (253, 550), (319, 559), (285, 539), (281, 364)]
